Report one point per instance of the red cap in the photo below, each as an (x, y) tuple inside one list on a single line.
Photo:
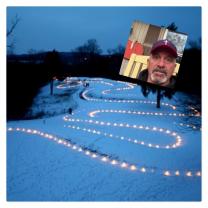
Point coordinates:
[(165, 44)]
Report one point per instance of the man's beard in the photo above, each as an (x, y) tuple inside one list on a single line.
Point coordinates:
[(159, 80)]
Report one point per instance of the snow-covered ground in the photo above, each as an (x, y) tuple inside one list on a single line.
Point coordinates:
[(115, 145)]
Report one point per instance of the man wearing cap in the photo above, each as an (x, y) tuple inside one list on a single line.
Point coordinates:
[(161, 64)]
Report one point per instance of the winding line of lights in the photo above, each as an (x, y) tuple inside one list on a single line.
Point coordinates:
[(166, 172), (101, 82), (73, 146), (130, 86), (93, 113), (190, 126), (195, 113), (96, 79), (105, 158), (84, 95), (104, 82), (131, 140), (177, 138), (69, 84), (109, 91)]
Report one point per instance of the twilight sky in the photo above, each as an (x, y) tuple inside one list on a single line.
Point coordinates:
[(65, 28)]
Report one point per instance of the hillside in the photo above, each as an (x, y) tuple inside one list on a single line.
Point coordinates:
[(100, 140)]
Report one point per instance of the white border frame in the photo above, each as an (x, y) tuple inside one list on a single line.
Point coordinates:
[(3, 6)]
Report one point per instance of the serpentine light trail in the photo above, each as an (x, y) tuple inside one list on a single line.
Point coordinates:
[(77, 123)]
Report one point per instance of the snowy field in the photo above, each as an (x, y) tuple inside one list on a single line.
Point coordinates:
[(104, 142)]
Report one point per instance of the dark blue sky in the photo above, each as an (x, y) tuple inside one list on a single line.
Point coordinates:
[(64, 28)]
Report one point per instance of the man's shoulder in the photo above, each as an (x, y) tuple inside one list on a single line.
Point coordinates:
[(172, 82)]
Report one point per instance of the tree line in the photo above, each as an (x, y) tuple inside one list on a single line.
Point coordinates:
[(26, 73)]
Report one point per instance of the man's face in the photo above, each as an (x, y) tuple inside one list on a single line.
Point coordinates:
[(161, 65)]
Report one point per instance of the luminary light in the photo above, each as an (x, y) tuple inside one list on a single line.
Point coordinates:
[(198, 173), (133, 167), (143, 169), (104, 159), (87, 152), (167, 173), (177, 173), (94, 155), (189, 173), (114, 162), (124, 165), (74, 147), (60, 141)]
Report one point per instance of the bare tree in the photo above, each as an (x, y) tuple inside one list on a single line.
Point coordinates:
[(90, 47), (172, 27), (10, 31), (118, 50)]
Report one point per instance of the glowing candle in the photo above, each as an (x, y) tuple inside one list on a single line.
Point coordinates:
[(114, 162), (189, 174), (198, 173), (59, 141), (80, 149), (87, 152), (133, 167), (104, 159), (123, 165), (177, 173), (143, 169), (94, 155), (167, 173)]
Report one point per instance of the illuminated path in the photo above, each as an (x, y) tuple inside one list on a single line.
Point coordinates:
[(105, 158), (123, 125), (78, 123)]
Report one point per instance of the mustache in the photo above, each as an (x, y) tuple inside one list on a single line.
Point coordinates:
[(160, 70)]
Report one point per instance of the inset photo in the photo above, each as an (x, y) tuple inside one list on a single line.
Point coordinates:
[(153, 54)]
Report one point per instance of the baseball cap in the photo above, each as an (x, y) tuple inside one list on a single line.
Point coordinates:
[(165, 44)]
